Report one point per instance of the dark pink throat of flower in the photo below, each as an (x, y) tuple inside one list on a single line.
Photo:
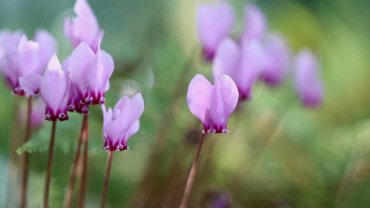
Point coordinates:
[(215, 129), (80, 103), (208, 54), (119, 145), (60, 115)]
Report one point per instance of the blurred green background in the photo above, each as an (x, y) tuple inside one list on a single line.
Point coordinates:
[(277, 154)]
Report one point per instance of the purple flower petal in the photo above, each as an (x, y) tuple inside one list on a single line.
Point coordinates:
[(79, 66), (54, 88), (255, 23), (227, 59), (47, 48), (84, 27), (252, 63), (214, 23), (30, 84), (199, 97), (307, 79), (277, 61), (27, 56)]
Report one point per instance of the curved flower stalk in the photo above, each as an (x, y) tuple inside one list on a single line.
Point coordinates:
[(277, 60), (24, 61), (255, 23), (121, 122), (307, 79), (89, 73), (243, 63), (212, 104), (84, 27), (54, 91), (214, 23)]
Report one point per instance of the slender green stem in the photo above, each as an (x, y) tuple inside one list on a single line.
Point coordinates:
[(106, 179), (25, 161), (192, 174), (83, 182), (72, 178), (49, 165)]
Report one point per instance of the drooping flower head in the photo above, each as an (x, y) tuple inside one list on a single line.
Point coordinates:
[(24, 61), (277, 61), (243, 63), (212, 104), (84, 27), (214, 23), (307, 79), (255, 23), (54, 91), (122, 122), (89, 73)]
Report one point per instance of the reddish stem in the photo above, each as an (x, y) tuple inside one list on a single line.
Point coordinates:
[(49, 164), (106, 179), (72, 178), (83, 182), (192, 174), (25, 161)]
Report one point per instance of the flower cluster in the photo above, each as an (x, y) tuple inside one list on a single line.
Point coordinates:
[(255, 54), (32, 68)]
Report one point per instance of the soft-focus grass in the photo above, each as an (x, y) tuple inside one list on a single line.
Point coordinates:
[(277, 153)]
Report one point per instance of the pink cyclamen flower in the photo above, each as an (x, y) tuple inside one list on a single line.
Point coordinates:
[(307, 79), (89, 73), (84, 27), (243, 63), (212, 104), (24, 61), (122, 122), (255, 23), (277, 61), (54, 91), (214, 23)]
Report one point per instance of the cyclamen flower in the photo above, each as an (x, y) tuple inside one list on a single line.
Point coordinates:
[(54, 91), (212, 104), (122, 122), (214, 23), (89, 73), (84, 27), (307, 80), (255, 23), (277, 61), (24, 61), (243, 63)]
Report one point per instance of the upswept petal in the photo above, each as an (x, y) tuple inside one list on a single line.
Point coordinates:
[(230, 94), (277, 60), (307, 79), (30, 83), (199, 97), (83, 27), (133, 129), (80, 62), (214, 22), (27, 56), (54, 85), (227, 58), (47, 48), (8, 48), (252, 63), (255, 23), (101, 71)]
